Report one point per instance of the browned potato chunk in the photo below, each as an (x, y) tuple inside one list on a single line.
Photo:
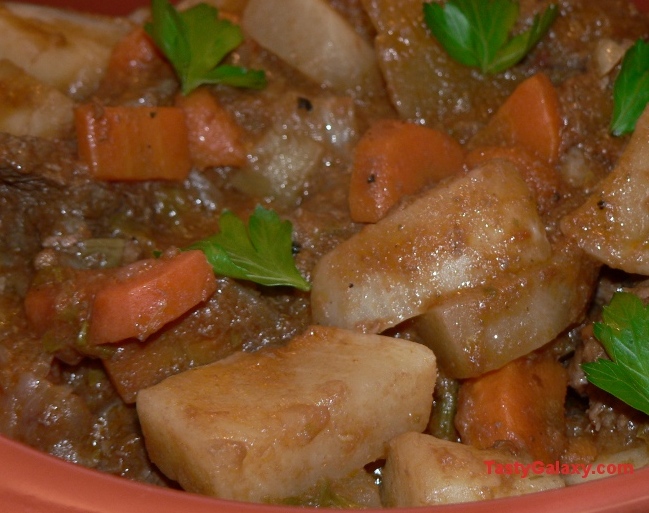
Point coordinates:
[(31, 107), (314, 38), (482, 329), (64, 49), (271, 424), (613, 224), (422, 470), (456, 236)]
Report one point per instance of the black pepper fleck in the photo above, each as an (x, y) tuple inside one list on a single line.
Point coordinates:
[(304, 104)]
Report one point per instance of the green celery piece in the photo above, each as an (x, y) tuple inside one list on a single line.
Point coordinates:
[(631, 89), (261, 252), (624, 333), (442, 417), (476, 32), (195, 41)]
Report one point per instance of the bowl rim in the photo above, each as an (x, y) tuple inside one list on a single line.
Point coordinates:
[(33, 481)]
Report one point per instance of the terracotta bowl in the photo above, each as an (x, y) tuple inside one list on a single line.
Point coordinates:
[(34, 482)]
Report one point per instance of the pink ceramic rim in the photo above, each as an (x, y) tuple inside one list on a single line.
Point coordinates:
[(34, 482)]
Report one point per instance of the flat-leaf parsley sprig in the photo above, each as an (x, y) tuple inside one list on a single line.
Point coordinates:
[(476, 33), (624, 333), (195, 41), (631, 89), (262, 252)]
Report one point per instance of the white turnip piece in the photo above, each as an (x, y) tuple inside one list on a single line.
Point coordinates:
[(422, 470), (613, 224), (315, 39), (271, 424), (456, 236)]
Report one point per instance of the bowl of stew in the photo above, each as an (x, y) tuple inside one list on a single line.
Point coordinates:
[(337, 256)]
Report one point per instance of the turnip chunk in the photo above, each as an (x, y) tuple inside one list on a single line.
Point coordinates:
[(64, 49), (413, 63), (313, 38), (31, 107), (625, 462), (481, 329), (456, 236), (613, 224), (271, 424), (422, 470), (283, 163)]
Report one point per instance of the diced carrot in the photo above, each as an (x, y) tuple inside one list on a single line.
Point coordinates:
[(530, 117), (58, 306), (133, 143), (543, 180), (215, 138), (134, 54), (143, 297), (190, 341), (92, 307), (395, 158), (522, 402)]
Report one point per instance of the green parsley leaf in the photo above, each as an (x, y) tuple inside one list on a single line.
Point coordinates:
[(195, 41), (261, 252), (631, 89), (476, 32), (624, 333)]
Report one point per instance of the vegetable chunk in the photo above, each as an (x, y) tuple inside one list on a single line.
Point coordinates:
[(613, 224), (141, 298), (31, 107), (64, 49), (422, 470), (269, 425), (522, 402), (530, 118), (215, 139), (455, 236), (312, 37), (99, 306), (478, 330), (133, 143), (395, 158)]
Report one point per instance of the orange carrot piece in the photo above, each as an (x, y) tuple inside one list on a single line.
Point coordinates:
[(530, 117), (543, 180), (396, 158), (133, 143), (522, 402), (58, 308), (117, 304), (143, 297), (134, 53), (215, 138)]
